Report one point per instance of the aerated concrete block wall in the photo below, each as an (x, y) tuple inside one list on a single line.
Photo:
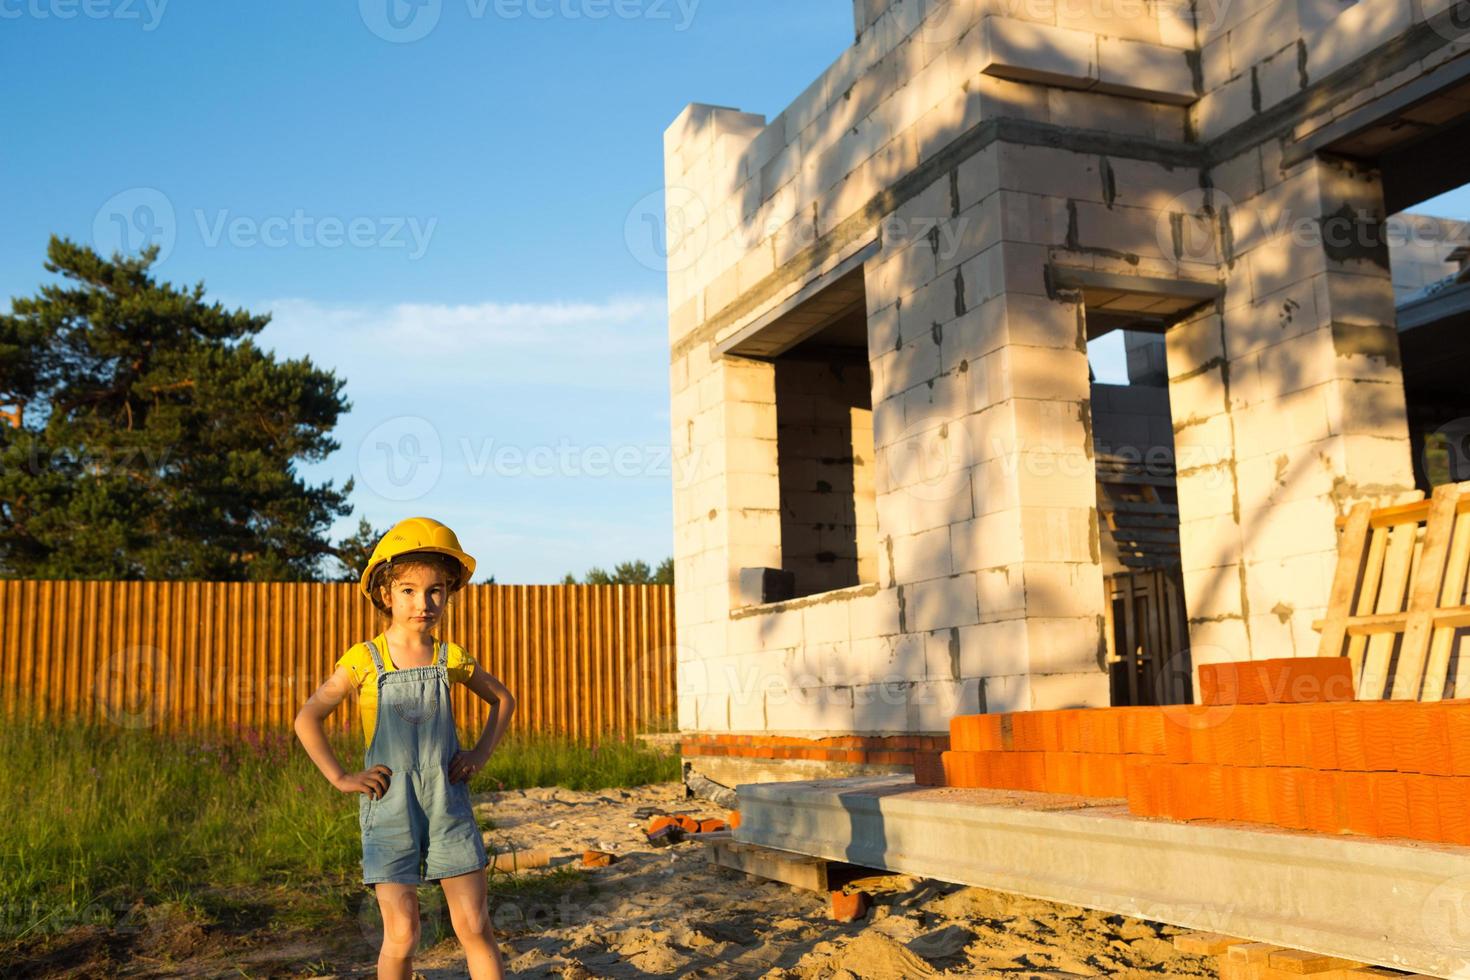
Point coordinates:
[(962, 151)]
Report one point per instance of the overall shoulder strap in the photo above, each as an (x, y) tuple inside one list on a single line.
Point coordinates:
[(443, 659), (377, 657)]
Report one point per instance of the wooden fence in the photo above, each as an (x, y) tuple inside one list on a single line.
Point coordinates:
[(581, 660)]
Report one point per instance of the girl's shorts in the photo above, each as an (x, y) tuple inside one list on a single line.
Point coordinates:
[(423, 829)]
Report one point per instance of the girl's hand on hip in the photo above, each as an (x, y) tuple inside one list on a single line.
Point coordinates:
[(373, 782), (464, 765)]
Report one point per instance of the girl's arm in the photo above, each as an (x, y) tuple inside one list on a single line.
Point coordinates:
[(502, 705), (313, 736)]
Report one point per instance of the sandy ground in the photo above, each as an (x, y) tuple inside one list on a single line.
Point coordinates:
[(671, 913)]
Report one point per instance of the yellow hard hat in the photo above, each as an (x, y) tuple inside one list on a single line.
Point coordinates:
[(417, 534)]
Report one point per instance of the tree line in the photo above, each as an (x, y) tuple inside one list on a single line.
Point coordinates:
[(145, 435)]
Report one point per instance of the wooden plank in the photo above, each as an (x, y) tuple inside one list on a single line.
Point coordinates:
[(1396, 622), (797, 870), (1428, 583), (1436, 674), (1298, 962), (1205, 943), (1390, 599), (1368, 594), (1351, 548), (1253, 953)]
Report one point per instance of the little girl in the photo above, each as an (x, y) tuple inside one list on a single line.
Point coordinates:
[(414, 812)]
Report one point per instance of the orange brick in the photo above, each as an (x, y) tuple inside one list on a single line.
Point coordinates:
[(1179, 796), (1306, 680), (1143, 731), (974, 733), (1380, 720), (850, 906), (1296, 737), (1031, 771), (1453, 809), (1051, 730), (659, 823), (1100, 730), (1422, 740), (1238, 739), (1423, 807), (1066, 729), (1322, 737), (1391, 804), (1347, 728), (1319, 798), (1234, 793), (1104, 776), (1258, 787), (1213, 782), (1141, 781), (1250, 688), (1219, 683), (1025, 732), (1202, 748), (712, 824), (1457, 721), (1357, 808), (1288, 798), (1179, 721), (1273, 740), (1063, 773), (733, 819)]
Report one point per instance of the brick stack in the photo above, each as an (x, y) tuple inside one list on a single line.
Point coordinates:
[(893, 750), (1279, 743)]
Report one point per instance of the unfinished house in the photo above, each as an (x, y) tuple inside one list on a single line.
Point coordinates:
[(910, 499)]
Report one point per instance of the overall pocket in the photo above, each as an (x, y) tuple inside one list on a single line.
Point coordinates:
[(417, 710), (366, 809)]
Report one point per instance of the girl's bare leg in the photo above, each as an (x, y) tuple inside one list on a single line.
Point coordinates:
[(400, 907), (470, 916)]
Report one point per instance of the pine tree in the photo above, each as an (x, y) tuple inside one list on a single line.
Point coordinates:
[(150, 438)]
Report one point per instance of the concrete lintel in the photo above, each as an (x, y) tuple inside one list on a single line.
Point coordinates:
[(1448, 302), (1026, 51), (770, 321), (1379, 110), (1070, 277), (1391, 903)]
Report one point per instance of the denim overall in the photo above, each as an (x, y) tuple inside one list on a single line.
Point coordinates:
[(423, 828)]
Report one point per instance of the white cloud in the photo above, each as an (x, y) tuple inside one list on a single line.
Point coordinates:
[(620, 343)]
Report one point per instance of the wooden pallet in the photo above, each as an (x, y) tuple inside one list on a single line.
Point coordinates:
[(1240, 959), (1398, 608)]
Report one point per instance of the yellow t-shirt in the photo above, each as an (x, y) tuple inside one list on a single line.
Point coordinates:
[(359, 662)]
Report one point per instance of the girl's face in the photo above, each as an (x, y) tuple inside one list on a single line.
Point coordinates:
[(417, 598)]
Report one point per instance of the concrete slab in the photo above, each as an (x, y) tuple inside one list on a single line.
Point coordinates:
[(1392, 903)]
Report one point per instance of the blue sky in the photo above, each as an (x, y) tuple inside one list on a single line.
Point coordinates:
[(508, 366), (433, 205)]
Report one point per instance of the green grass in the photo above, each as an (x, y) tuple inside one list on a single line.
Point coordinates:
[(241, 827), (520, 762)]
